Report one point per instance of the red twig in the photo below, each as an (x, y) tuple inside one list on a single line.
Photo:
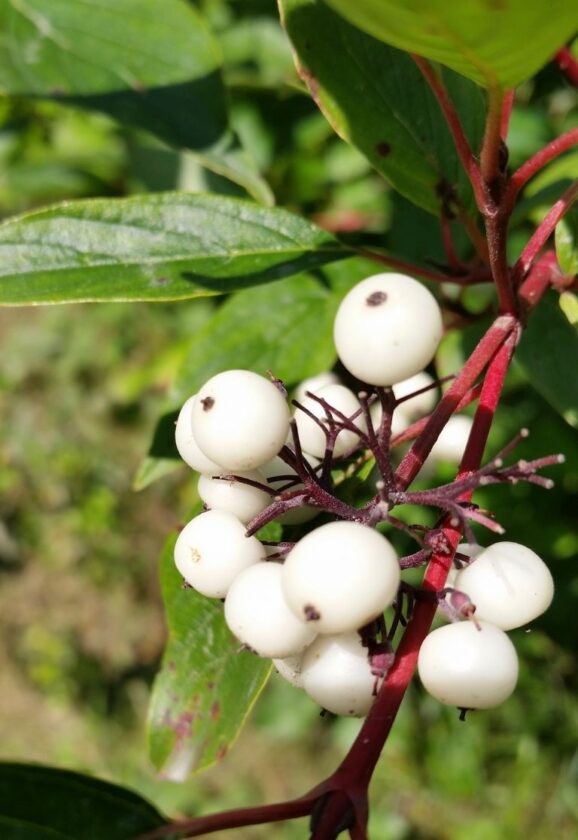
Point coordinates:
[(238, 817), (533, 165), (461, 142), (544, 231), (361, 759), (507, 106), (490, 154), (540, 278), (407, 267), (483, 353), (448, 242), (567, 64)]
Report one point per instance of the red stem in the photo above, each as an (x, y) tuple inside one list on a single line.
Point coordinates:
[(462, 145), (567, 64), (540, 278), (448, 242), (538, 161), (407, 267), (483, 353), (507, 106), (544, 231), (237, 817), (357, 768), (496, 232), (490, 154)]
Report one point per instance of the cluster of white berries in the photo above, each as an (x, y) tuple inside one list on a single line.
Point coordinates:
[(473, 664), (305, 608)]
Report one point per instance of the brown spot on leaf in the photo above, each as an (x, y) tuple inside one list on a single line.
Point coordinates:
[(215, 710), (222, 752), (382, 148)]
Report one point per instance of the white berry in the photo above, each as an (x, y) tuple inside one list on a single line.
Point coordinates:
[(240, 419), (311, 435), (314, 383), (336, 673), (212, 550), (242, 500), (509, 584), (452, 441), (421, 404), (387, 328), (471, 668), (186, 444), (341, 576), (256, 612)]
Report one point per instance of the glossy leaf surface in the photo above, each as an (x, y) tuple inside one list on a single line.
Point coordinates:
[(166, 246), (494, 43), (46, 803)]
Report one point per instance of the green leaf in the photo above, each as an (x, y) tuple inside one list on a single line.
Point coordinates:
[(567, 243), (569, 306), (257, 53), (286, 327), (45, 803), (375, 98), (205, 688), (494, 43), (548, 353), (159, 71), (168, 246)]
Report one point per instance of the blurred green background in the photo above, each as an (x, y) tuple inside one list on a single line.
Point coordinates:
[(81, 389)]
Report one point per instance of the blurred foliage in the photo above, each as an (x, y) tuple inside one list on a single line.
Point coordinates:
[(81, 389)]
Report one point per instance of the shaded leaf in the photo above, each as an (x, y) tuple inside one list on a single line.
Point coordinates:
[(548, 353), (494, 43), (167, 246), (158, 71), (375, 97), (205, 688), (46, 803)]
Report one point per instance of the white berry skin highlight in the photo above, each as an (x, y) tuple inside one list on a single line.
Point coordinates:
[(312, 437), (461, 665), (257, 614), (336, 673), (186, 444), (387, 328), (240, 420), (212, 550), (340, 576), (509, 584), (242, 500)]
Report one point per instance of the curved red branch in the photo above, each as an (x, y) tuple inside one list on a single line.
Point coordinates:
[(567, 64), (461, 142), (544, 231), (534, 164)]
